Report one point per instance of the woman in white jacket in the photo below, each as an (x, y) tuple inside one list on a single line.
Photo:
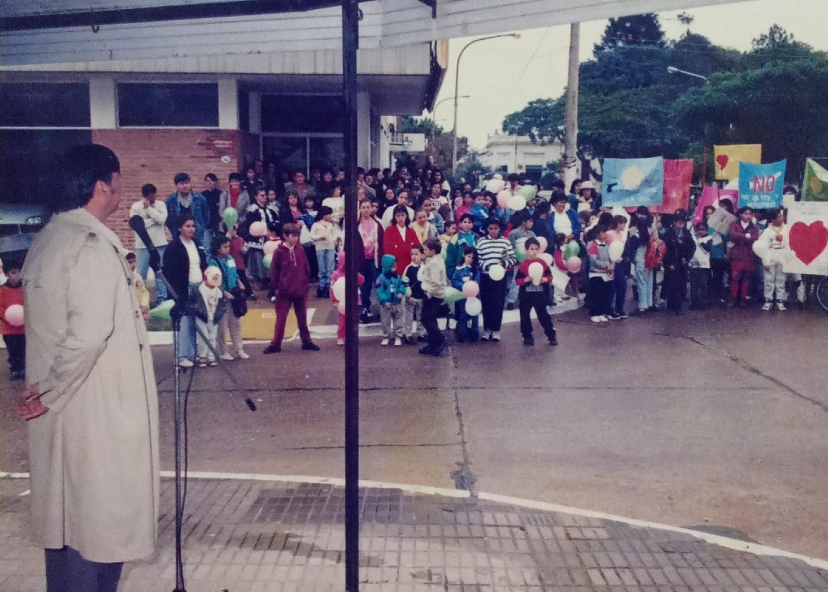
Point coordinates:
[(773, 248)]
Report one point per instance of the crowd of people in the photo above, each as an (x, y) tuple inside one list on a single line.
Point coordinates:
[(282, 237)]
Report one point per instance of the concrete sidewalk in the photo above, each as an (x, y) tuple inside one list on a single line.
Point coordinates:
[(246, 535)]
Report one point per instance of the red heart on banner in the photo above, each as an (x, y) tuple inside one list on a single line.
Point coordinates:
[(722, 160), (808, 241)]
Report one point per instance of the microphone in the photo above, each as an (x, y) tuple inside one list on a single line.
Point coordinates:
[(137, 224)]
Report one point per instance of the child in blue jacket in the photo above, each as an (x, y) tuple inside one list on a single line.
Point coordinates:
[(467, 326), (391, 296)]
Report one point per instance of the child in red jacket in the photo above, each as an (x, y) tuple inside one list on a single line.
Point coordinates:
[(11, 294), (534, 279), (290, 278)]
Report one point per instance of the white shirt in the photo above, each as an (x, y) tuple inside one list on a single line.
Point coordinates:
[(154, 217), (388, 216), (195, 261), (563, 225)]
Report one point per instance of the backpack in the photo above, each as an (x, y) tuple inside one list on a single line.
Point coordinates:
[(655, 253)]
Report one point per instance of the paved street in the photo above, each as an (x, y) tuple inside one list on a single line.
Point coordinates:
[(715, 421)]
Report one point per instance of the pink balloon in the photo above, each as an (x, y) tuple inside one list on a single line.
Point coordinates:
[(503, 198), (471, 289), (14, 315), (270, 247), (573, 264), (340, 307), (258, 229), (543, 244)]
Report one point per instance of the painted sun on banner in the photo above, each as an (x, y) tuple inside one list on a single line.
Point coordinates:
[(633, 181), (815, 185)]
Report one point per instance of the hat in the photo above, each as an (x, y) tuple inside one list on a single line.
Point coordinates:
[(587, 185)]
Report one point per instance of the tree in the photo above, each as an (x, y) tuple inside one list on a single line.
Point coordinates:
[(425, 126), (627, 31), (439, 144), (541, 120), (470, 168)]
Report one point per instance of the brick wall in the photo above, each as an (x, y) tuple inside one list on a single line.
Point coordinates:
[(156, 155)]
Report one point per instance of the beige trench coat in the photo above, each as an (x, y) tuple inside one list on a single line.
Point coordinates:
[(93, 457)]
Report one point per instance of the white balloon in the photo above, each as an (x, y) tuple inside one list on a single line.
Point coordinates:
[(496, 272), (543, 243), (517, 203), (494, 186), (339, 289), (547, 258), (535, 272), (760, 248), (473, 307), (616, 250)]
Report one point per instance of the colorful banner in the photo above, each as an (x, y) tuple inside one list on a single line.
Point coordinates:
[(678, 174), (808, 238), (728, 158), (633, 181), (815, 185), (761, 185), (710, 197)]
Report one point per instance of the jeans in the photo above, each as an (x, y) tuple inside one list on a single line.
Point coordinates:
[(327, 260), (233, 323), (600, 294), (142, 260), (371, 274), (16, 349), (392, 319), (68, 571), (187, 336), (699, 286), (210, 331), (643, 280), (512, 294), (619, 281), (675, 288), (537, 300), (718, 268), (414, 310)]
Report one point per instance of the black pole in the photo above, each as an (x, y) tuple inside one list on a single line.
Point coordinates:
[(350, 43)]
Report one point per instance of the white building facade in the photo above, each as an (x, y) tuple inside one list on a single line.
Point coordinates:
[(505, 153)]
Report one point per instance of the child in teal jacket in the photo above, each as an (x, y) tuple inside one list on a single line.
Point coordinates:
[(391, 298)]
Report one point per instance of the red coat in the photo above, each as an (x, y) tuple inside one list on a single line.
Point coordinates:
[(9, 296), (290, 271), (393, 243)]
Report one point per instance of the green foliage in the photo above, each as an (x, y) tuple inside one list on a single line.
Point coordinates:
[(412, 125), (540, 120), (471, 168), (627, 31)]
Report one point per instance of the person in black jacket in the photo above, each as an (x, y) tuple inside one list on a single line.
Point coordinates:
[(680, 249), (184, 264)]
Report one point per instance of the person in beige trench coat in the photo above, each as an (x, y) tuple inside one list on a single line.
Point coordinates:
[(93, 451)]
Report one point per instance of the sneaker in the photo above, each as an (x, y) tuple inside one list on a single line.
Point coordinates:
[(310, 346), (529, 340), (426, 350), (273, 298), (510, 306), (226, 357), (340, 341), (398, 342), (364, 319), (595, 319), (422, 338), (621, 317), (243, 356), (272, 349), (553, 338), (604, 319), (767, 306), (384, 341), (202, 363), (440, 349), (185, 363), (781, 306), (212, 363), (485, 336), (495, 336), (410, 340)]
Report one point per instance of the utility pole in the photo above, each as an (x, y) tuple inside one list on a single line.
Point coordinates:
[(571, 110)]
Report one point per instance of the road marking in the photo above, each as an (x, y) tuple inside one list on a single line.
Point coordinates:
[(714, 539)]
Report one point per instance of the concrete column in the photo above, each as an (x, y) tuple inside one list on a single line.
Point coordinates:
[(228, 103), (364, 129), (103, 102)]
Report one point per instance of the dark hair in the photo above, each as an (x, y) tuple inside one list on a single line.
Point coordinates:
[(434, 244), (78, 171), (16, 264), (323, 211), (585, 215), (513, 177), (401, 209), (476, 261), (181, 178), (531, 241), (148, 189), (520, 217), (218, 241), (560, 239), (182, 220), (235, 177), (450, 223), (557, 196), (617, 220), (464, 216), (558, 185), (129, 257), (290, 229), (711, 208), (575, 183), (259, 190), (605, 219), (702, 225), (493, 220), (544, 207), (417, 248), (211, 177)]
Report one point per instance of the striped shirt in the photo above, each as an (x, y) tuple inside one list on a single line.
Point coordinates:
[(495, 251)]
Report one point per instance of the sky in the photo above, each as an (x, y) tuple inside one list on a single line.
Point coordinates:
[(501, 76)]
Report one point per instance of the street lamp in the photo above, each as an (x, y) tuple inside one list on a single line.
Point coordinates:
[(672, 70), (457, 88), (434, 111)]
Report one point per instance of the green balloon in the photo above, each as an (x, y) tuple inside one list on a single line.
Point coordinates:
[(267, 260), (520, 254), (162, 311), (453, 295), (230, 217), (572, 249), (528, 192)]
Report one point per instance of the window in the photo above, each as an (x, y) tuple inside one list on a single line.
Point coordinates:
[(244, 110), (309, 114), (167, 105), (534, 172), (27, 160), (44, 105)]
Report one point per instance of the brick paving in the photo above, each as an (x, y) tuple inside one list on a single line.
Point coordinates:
[(255, 536)]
